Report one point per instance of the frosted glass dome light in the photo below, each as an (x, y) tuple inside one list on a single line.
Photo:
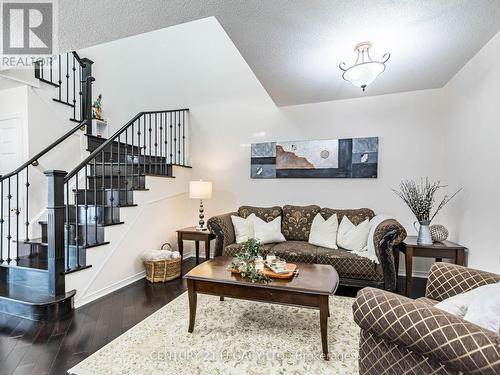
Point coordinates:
[(365, 70)]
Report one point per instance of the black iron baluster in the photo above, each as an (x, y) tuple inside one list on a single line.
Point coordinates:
[(162, 170), (170, 135), (156, 144), (103, 173), (17, 218), (138, 150), (26, 206), (175, 137), (125, 156), (179, 139), (86, 206), (60, 78), (1, 222), (77, 221), (118, 175), (112, 199), (144, 151), (67, 227), (67, 78), (9, 237), (80, 93), (74, 88), (50, 67), (150, 152), (183, 138), (94, 171)]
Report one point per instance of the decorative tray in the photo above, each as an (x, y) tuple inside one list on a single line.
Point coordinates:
[(281, 275)]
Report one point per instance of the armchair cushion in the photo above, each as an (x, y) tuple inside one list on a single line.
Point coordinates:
[(427, 331)]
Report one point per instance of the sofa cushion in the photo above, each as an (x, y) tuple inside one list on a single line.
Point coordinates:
[(349, 265), (295, 251), (297, 221), (232, 249), (265, 213), (356, 215)]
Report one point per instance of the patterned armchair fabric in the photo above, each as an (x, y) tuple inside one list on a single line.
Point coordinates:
[(446, 280), (404, 336), (297, 220)]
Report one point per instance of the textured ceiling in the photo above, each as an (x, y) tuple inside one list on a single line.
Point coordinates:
[(294, 46)]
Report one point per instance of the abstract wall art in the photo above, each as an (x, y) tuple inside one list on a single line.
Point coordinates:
[(330, 158)]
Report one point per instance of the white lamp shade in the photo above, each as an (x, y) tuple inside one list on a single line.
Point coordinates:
[(364, 74), (200, 189)]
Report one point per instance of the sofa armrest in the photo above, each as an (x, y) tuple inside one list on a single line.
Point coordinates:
[(388, 234), (222, 227), (428, 331), (446, 280)]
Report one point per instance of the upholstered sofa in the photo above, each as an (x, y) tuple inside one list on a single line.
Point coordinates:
[(404, 336), (296, 221)]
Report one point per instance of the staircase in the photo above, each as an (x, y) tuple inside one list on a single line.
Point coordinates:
[(80, 203)]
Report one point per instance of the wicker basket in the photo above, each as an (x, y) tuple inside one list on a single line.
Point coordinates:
[(159, 271)]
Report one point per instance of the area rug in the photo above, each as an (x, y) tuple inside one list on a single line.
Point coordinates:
[(231, 337)]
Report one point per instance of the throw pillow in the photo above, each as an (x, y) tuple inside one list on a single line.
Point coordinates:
[(324, 232), (353, 237), (268, 232), (243, 228), (485, 309), (480, 306)]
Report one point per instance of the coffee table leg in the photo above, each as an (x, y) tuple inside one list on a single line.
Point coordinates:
[(222, 298), (323, 321), (192, 304)]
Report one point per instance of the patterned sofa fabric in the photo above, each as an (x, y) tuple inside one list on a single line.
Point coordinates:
[(222, 227), (297, 220), (349, 265), (401, 335), (356, 215), (265, 213), (234, 248), (296, 251)]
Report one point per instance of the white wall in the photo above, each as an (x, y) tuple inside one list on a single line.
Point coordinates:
[(472, 143), (14, 103)]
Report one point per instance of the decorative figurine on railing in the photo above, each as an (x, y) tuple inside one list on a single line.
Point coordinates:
[(97, 108)]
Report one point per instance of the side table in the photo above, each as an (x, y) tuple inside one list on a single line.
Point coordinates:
[(191, 234), (438, 251)]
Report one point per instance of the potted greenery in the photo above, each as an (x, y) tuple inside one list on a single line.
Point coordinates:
[(245, 262), (421, 199)]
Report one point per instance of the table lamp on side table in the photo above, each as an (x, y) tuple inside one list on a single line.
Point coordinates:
[(200, 190)]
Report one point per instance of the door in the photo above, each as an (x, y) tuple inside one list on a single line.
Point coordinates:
[(11, 157)]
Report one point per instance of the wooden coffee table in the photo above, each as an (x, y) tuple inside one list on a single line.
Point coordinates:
[(311, 289)]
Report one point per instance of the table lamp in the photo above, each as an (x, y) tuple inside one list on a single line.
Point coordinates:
[(200, 190)]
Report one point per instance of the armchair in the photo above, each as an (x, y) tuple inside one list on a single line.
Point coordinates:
[(404, 336)]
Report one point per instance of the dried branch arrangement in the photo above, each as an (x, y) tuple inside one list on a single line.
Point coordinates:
[(421, 197)]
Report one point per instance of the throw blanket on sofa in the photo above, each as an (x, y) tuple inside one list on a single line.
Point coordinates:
[(369, 250)]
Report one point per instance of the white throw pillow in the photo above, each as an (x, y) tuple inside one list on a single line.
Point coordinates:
[(268, 232), (243, 228), (353, 237), (324, 232), (480, 306), (485, 309)]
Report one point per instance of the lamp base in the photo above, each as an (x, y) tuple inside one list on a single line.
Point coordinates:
[(201, 229)]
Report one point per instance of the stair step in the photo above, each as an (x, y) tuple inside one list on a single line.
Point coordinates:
[(122, 198), (123, 170), (117, 182), (129, 158), (94, 214), (48, 82), (94, 142), (64, 102)]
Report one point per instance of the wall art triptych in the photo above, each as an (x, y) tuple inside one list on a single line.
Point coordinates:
[(330, 158)]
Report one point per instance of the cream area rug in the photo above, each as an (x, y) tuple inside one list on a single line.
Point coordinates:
[(231, 337)]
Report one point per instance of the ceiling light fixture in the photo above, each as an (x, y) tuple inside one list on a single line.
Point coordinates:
[(365, 70)]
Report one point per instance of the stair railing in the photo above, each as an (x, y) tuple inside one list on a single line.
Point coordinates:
[(70, 75), (15, 194), (150, 143)]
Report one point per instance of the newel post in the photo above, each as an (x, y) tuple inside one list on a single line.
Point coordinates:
[(55, 231), (86, 105)]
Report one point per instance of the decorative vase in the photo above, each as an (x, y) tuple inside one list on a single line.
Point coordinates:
[(424, 232), (438, 232)]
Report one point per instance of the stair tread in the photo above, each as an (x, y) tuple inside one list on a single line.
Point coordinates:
[(76, 269)]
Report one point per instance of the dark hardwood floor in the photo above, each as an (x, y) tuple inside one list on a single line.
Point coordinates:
[(28, 347)]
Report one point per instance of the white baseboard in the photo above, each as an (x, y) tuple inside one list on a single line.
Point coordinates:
[(107, 290)]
